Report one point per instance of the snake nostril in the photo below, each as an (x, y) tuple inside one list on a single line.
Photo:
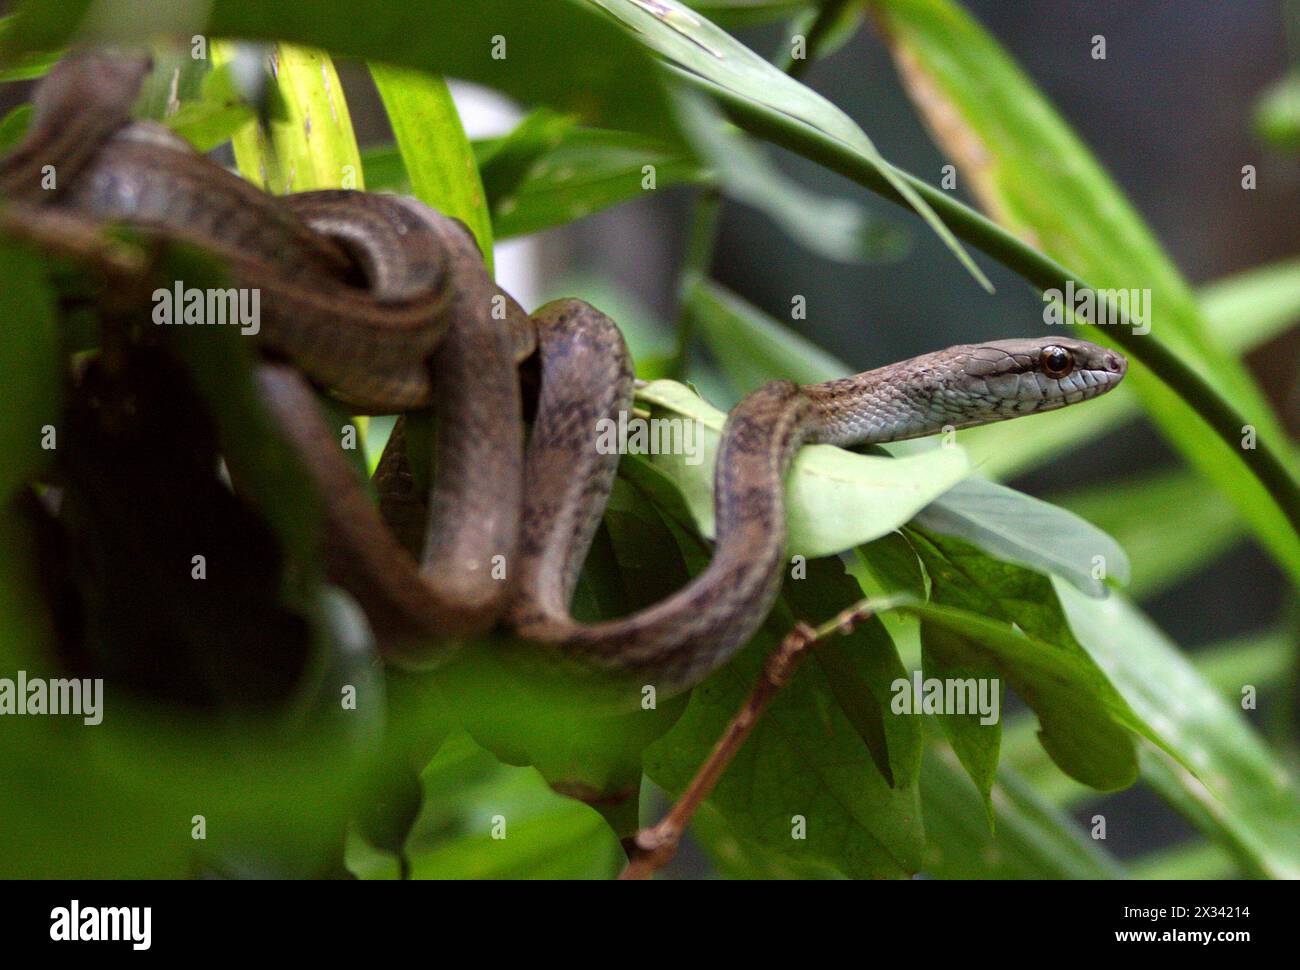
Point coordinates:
[(1113, 363)]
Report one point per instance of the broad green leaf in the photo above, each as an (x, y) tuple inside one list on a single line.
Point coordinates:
[(1021, 529), (310, 144), (1261, 661), (528, 50), (1012, 616), (434, 149), (804, 771), (835, 500), (1033, 175), (968, 695), (505, 162), (735, 857), (700, 48), (1250, 796), (862, 668)]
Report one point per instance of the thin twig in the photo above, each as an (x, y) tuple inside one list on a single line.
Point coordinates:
[(654, 848)]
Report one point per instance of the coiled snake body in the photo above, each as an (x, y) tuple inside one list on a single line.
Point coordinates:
[(387, 305)]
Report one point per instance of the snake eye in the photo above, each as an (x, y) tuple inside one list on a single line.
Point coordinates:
[(1057, 362)]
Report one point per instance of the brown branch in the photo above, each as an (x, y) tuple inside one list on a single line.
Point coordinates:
[(654, 848)]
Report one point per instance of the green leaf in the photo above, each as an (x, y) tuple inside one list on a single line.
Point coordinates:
[(1020, 529), (970, 714), (434, 149), (504, 163), (14, 126), (310, 144), (735, 857), (862, 668), (805, 769), (701, 49), (1034, 176), (547, 172), (1244, 791), (30, 66), (613, 83), (835, 499), (1012, 616)]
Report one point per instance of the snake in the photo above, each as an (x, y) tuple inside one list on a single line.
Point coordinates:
[(387, 306)]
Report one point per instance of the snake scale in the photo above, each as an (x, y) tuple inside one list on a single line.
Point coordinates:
[(387, 305)]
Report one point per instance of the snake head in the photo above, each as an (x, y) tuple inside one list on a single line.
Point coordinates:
[(1040, 374)]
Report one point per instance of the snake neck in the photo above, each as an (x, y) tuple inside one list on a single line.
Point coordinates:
[(880, 405)]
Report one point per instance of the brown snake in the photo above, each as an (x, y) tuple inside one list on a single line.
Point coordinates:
[(387, 305)]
